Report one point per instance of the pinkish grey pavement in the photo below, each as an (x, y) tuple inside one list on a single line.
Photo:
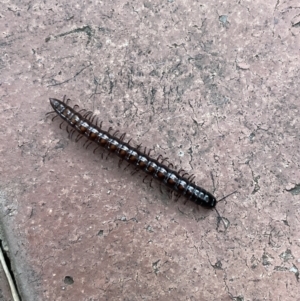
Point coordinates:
[(212, 85)]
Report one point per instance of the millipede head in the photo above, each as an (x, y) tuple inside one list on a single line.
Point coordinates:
[(204, 199), (55, 103)]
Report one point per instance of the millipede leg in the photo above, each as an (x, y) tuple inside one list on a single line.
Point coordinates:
[(88, 144), (191, 178), (164, 159), (79, 136), (116, 132), (92, 118), (149, 151), (50, 113), (159, 156), (61, 124), (100, 153), (182, 170), (96, 121), (177, 195), (145, 178), (170, 165), (136, 170), (127, 166), (85, 143), (71, 133), (120, 162), (54, 117), (151, 182), (96, 149), (122, 136), (88, 115), (160, 188)]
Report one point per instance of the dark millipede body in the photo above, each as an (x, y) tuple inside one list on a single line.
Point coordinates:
[(83, 122)]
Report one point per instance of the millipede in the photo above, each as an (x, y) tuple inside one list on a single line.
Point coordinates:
[(86, 124)]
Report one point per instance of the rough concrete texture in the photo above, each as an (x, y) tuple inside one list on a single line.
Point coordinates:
[(212, 85)]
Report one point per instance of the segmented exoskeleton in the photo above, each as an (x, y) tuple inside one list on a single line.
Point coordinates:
[(86, 124)]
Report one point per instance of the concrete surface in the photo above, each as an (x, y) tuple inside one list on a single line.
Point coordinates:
[(214, 86)]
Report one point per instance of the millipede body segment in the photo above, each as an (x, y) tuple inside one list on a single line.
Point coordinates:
[(84, 123)]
